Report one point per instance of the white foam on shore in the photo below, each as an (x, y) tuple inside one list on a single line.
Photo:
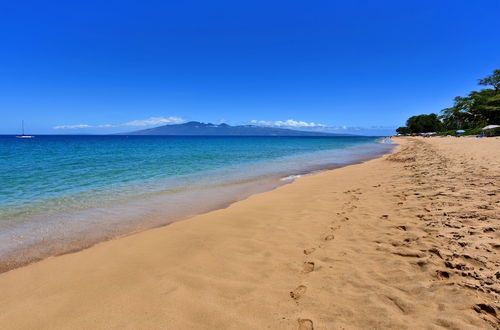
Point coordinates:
[(385, 140), (291, 177)]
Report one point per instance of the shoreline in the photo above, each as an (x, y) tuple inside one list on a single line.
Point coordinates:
[(361, 246), (85, 238)]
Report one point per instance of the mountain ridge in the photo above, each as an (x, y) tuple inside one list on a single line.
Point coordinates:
[(199, 128)]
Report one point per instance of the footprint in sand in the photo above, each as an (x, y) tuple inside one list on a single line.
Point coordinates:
[(298, 292), (329, 237), (308, 266), (309, 251), (441, 274), (480, 308), (305, 324)]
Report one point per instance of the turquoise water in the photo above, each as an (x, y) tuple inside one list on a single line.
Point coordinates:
[(58, 188)]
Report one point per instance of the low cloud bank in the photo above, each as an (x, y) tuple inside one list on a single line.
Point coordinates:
[(134, 123), (286, 123)]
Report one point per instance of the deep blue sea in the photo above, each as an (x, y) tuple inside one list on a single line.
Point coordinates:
[(60, 193)]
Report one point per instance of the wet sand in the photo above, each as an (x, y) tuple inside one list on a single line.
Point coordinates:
[(410, 240)]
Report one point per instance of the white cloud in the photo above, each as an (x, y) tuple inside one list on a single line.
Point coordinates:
[(286, 123), (152, 121), (309, 126), (339, 128), (72, 126)]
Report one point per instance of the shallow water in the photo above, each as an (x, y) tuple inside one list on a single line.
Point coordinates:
[(61, 193)]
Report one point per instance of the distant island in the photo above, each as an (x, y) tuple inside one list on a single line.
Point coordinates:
[(198, 128)]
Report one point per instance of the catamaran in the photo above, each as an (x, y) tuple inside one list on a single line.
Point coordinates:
[(23, 136)]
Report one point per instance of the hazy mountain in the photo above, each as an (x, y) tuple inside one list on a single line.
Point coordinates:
[(197, 128)]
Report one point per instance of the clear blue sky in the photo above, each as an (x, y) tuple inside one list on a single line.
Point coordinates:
[(105, 64)]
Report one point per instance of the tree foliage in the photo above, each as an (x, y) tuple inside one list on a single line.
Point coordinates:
[(424, 123), (403, 130), (476, 109), (492, 80)]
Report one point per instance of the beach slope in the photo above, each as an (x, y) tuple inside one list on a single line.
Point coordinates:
[(409, 240)]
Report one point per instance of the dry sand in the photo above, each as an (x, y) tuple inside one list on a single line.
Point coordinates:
[(410, 240)]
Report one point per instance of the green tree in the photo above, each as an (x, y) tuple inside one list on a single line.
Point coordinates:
[(492, 80), (476, 109), (403, 130), (485, 107), (424, 123), (458, 116)]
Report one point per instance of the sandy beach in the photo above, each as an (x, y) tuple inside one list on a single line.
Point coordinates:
[(409, 240)]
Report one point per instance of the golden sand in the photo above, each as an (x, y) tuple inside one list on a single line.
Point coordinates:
[(410, 240)]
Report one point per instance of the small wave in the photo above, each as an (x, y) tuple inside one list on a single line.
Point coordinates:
[(385, 141), (291, 177)]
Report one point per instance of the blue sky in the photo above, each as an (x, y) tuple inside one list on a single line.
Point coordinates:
[(108, 66)]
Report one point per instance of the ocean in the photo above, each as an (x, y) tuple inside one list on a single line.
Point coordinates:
[(63, 193)]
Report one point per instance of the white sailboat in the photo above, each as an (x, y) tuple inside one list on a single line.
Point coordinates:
[(24, 136)]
